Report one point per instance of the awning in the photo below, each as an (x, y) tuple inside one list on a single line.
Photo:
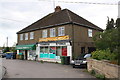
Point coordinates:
[(26, 47)]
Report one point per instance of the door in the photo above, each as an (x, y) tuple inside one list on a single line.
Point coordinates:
[(25, 54), (91, 49), (64, 51), (82, 49)]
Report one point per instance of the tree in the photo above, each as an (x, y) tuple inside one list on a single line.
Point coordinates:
[(109, 38), (7, 49), (110, 24)]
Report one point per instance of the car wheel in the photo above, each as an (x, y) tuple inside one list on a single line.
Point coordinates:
[(73, 66)]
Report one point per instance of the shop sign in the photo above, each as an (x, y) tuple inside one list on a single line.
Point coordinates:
[(54, 38)]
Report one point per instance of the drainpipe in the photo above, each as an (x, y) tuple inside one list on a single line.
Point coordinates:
[(73, 54)]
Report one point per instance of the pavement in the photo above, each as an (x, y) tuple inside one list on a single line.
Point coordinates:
[(2, 69), (35, 69)]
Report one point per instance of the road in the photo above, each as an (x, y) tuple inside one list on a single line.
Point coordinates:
[(35, 69)]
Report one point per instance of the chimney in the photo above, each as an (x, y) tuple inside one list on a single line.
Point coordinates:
[(57, 9)]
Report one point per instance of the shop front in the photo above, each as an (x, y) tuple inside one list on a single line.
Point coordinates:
[(27, 52), (51, 49)]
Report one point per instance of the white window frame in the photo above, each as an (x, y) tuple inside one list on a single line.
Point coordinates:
[(90, 34), (31, 35), (52, 32), (61, 31), (44, 33), (26, 36), (21, 37)]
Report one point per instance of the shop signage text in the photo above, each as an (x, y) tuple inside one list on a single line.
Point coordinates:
[(54, 38)]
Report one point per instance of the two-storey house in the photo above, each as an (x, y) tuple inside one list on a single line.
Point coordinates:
[(61, 33)]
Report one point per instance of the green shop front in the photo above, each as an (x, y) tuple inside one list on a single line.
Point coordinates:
[(27, 52)]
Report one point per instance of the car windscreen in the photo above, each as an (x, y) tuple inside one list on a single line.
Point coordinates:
[(81, 56), (87, 55)]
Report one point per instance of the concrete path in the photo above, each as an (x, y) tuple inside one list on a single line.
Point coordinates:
[(32, 69), (2, 69)]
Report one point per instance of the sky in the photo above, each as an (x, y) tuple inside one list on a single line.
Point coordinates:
[(18, 14)]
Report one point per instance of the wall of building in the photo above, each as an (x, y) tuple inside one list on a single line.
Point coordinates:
[(78, 35), (80, 38), (38, 34)]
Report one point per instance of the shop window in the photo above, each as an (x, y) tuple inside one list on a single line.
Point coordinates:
[(89, 32), (32, 53), (42, 50), (31, 35), (61, 31), (44, 33), (53, 49), (26, 36), (59, 51), (52, 32), (21, 36), (46, 50)]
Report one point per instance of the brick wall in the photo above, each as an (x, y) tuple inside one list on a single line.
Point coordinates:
[(103, 67)]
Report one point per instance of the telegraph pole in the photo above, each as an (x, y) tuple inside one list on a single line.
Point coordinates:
[(7, 42)]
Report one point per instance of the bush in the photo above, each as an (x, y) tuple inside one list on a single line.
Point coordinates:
[(100, 76), (104, 55), (92, 72)]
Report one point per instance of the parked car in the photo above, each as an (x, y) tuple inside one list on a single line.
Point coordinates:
[(9, 55), (2, 55), (80, 61)]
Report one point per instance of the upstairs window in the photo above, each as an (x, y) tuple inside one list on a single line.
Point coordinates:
[(61, 31), (44, 33), (89, 32), (26, 36), (31, 35), (52, 32), (21, 36)]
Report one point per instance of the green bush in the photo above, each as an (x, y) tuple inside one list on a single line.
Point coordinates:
[(104, 55), (92, 72), (100, 76)]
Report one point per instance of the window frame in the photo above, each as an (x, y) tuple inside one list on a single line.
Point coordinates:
[(52, 32), (31, 35), (44, 33), (26, 36), (61, 31), (90, 33), (21, 37)]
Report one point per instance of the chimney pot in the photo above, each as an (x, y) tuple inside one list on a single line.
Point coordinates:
[(57, 9)]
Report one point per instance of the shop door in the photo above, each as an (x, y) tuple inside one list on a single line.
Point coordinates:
[(64, 51), (26, 54)]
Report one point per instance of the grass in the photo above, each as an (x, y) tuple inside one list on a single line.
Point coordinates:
[(97, 75)]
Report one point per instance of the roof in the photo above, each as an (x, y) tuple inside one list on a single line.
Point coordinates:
[(62, 17)]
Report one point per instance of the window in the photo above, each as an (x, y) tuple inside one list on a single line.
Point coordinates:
[(31, 35), (44, 33), (89, 32), (61, 31), (21, 36), (52, 32), (26, 36)]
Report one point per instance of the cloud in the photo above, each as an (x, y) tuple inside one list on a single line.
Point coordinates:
[(18, 14)]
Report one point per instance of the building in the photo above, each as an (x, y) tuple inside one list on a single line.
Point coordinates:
[(61, 33)]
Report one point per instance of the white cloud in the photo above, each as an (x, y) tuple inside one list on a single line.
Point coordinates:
[(17, 14)]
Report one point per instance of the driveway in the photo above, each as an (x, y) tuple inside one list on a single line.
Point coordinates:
[(34, 69)]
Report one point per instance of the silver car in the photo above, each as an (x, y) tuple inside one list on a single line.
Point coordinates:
[(80, 61)]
